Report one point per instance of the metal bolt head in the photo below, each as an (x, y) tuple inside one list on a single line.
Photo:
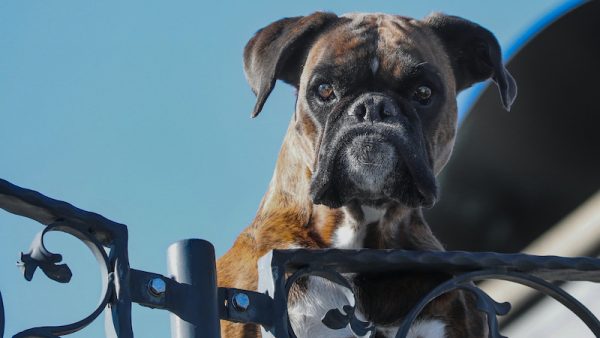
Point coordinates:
[(157, 286), (241, 301)]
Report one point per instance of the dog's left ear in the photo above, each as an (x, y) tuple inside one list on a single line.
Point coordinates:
[(279, 50), (474, 53)]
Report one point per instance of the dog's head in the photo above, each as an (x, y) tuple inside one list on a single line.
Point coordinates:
[(376, 97)]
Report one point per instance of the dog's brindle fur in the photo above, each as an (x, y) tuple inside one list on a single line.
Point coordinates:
[(319, 196)]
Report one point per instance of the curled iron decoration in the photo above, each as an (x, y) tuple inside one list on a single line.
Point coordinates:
[(39, 256), (334, 318), (97, 232), (486, 304)]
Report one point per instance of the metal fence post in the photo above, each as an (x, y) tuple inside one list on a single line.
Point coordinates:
[(192, 262)]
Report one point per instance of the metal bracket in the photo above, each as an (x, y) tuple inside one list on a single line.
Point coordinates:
[(243, 306)]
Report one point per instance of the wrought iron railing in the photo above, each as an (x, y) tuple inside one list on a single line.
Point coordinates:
[(196, 303)]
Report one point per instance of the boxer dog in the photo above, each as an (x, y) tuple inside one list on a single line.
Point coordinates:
[(374, 123)]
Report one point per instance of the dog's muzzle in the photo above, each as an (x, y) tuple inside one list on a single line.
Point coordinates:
[(370, 157), (375, 157), (370, 160)]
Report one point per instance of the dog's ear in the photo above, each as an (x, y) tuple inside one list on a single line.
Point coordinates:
[(279, 50), (474, 53)]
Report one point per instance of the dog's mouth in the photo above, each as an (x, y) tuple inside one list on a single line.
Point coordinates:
[(373, 166), (368, 161)]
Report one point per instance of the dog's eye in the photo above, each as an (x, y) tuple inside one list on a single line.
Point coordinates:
[(422, 95), (325, 91)]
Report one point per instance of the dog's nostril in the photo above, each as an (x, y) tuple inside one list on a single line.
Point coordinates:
[(373, 108), (388, 109), (359, 112)]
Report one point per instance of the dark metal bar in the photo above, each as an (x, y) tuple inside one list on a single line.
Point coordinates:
[(551, 268), (1, 317), (235, 305), (192, 262), (271, 282), (31, 204), (244, 306)]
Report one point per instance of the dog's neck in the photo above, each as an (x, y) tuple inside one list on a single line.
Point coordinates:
[(352, 226), (289, 186), (392, 227)]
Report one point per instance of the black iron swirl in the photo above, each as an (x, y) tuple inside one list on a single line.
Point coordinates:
[(39, 256), (486, 304), (96, 232)]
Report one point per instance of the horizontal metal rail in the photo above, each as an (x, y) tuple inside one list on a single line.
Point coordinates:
[(191, 294)]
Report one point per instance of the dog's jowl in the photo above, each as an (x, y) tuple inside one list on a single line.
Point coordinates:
[(374, 124)]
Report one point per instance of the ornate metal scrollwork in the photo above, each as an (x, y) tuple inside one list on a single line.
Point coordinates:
[(122, 285), (278, 271), (39, 256), (491, 308), (529, 270), (97, 233)]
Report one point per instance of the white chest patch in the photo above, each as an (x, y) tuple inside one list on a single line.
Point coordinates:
[(349, 236), (351, 233)]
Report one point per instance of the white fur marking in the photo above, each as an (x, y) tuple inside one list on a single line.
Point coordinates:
[(308, 311), (428, 329), (374, 65), (420, 329), (349, 236)]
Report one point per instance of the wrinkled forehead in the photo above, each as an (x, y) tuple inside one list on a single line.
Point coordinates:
[(390, 43)]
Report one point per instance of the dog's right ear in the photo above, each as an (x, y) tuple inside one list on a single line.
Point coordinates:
[(474, 53), (279, 50)]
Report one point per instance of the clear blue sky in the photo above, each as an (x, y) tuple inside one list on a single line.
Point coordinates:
[(139, 110)]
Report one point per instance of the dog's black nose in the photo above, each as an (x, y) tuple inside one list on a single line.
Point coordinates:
[(373, 108)]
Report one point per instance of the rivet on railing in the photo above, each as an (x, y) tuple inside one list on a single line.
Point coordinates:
[(157, 287), (241, 301)]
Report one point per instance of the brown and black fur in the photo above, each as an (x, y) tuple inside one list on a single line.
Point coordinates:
[(305, 204)]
